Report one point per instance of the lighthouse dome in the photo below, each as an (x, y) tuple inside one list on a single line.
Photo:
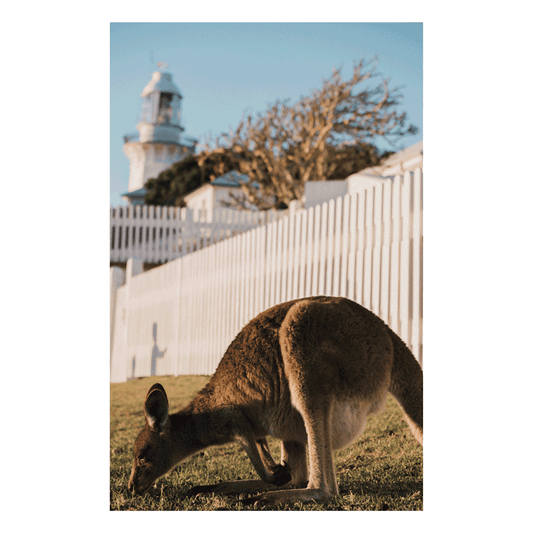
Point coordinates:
[(161, 82)]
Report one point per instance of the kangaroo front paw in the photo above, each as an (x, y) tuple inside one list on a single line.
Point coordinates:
[(281, 475)]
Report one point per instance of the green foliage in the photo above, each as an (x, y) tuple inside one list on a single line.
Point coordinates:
[(381, 471), (185, 176), (173, 184)]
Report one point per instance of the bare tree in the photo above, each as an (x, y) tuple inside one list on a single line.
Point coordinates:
[(288, 145)]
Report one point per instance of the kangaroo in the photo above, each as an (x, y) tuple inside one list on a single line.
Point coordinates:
[(308, 372)]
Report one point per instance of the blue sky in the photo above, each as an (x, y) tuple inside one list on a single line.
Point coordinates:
[(226, 69)]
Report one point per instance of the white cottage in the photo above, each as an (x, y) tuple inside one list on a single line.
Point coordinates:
[(217, 193), (407, 159)]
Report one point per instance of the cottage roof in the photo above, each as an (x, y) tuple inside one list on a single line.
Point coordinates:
[(134, 195), (230, 179)]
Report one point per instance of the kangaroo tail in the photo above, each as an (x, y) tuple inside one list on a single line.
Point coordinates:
[(407, 385)]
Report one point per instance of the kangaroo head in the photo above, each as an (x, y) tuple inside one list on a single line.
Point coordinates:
[(152, 451)]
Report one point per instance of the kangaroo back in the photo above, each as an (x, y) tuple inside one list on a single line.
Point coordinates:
[(407, 385)]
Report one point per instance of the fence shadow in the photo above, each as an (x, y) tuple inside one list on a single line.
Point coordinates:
[(133, 361), (156, 352)]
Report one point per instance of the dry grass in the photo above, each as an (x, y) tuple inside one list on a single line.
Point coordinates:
[(381, 471)]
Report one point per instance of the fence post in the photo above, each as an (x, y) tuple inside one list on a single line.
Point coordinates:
[(294, 206), (116, 281), (134, 266)]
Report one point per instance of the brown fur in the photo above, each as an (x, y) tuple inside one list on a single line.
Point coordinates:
[(308, 372)]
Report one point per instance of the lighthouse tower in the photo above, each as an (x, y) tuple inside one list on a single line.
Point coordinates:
[(159, 142)]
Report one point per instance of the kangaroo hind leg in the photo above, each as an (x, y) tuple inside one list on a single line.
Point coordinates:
[(322, 481)]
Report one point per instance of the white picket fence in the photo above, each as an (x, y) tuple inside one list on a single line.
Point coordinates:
[(179, 318), (158, 234)]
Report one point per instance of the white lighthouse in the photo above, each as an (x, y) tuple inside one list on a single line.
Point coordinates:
[(159, 142)]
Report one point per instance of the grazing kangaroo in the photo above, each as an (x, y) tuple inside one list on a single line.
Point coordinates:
[(308, 372)]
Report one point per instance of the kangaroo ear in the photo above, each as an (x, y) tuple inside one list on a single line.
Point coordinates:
[(160, 388), (156, 408)]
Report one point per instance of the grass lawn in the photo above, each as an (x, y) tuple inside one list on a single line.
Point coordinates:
[(381, 471)]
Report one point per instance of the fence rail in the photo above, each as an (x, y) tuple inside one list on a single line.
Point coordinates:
[(159, 234), (367, 246)]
